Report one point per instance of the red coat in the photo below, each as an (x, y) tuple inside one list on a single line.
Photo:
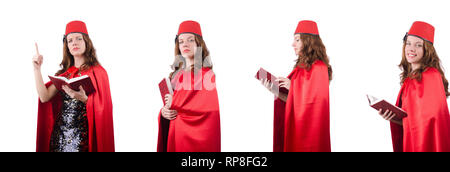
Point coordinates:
[(98, 110), (197, 125), (427, 126), (303, 125)]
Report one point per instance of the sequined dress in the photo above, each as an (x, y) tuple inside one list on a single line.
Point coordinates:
[(70, 131)]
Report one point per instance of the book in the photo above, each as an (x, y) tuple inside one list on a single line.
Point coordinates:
[(165, 87), (383, 105), (263, 74), (74, 83)]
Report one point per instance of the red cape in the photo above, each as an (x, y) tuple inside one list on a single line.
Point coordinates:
[(278, 125), (197, 126), (98, 110), (302, 124), (427, 126)]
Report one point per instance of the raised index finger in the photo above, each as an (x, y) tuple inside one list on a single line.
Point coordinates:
[(37, 49)]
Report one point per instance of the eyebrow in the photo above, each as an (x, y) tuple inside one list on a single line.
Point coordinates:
[(408, 41), (74, 37), (415, 42), (187, 37)]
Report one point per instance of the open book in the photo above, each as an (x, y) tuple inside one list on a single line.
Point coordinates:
[(165, 87), (74, 83), (263, 74), (383, 104)]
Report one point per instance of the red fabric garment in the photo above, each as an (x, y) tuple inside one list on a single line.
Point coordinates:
[(278, 125), (197, 125), (427, 126), (98, 110), (307, 111)]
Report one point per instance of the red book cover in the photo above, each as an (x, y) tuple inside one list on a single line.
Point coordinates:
[(74, 83), (165, 87), (383, 104), (263, 74)]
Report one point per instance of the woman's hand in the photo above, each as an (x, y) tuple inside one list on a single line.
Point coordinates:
[(389, 116), (79, 95), (284, 82), (166, 112), (269, 86), (169, 114), (37, 59), (266, 83), (168, 101)]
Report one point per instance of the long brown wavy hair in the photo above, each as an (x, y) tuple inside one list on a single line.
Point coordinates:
[(313, 49), (90, 57), (429, 59), (178, 63)]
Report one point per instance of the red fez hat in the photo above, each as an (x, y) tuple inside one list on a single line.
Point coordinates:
[(76, 27), (422, 30), (307, 27), (190, 27)]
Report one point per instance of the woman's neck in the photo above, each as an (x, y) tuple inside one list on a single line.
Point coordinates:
[(415, 66), (189, 63), (79, 60)]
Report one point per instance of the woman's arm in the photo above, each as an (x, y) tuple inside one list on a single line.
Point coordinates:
[(45, 94), (389, 115), (280, 95)]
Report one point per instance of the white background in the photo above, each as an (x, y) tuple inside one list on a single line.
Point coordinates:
[(135, 44)]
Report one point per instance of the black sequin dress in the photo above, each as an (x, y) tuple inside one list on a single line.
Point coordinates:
[(70, 131)]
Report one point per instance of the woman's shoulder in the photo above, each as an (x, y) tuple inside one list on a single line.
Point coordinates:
[(319, 63), (98, 70), (431, 72), (207, 70), (315, 64), (431, 76)]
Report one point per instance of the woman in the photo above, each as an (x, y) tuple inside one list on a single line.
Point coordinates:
[(423, 94), (69, 120), (190, 119), (302, 116)]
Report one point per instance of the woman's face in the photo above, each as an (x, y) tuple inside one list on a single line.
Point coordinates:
[(414, 49), (187, 45), (297, 44), (76, 44)]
